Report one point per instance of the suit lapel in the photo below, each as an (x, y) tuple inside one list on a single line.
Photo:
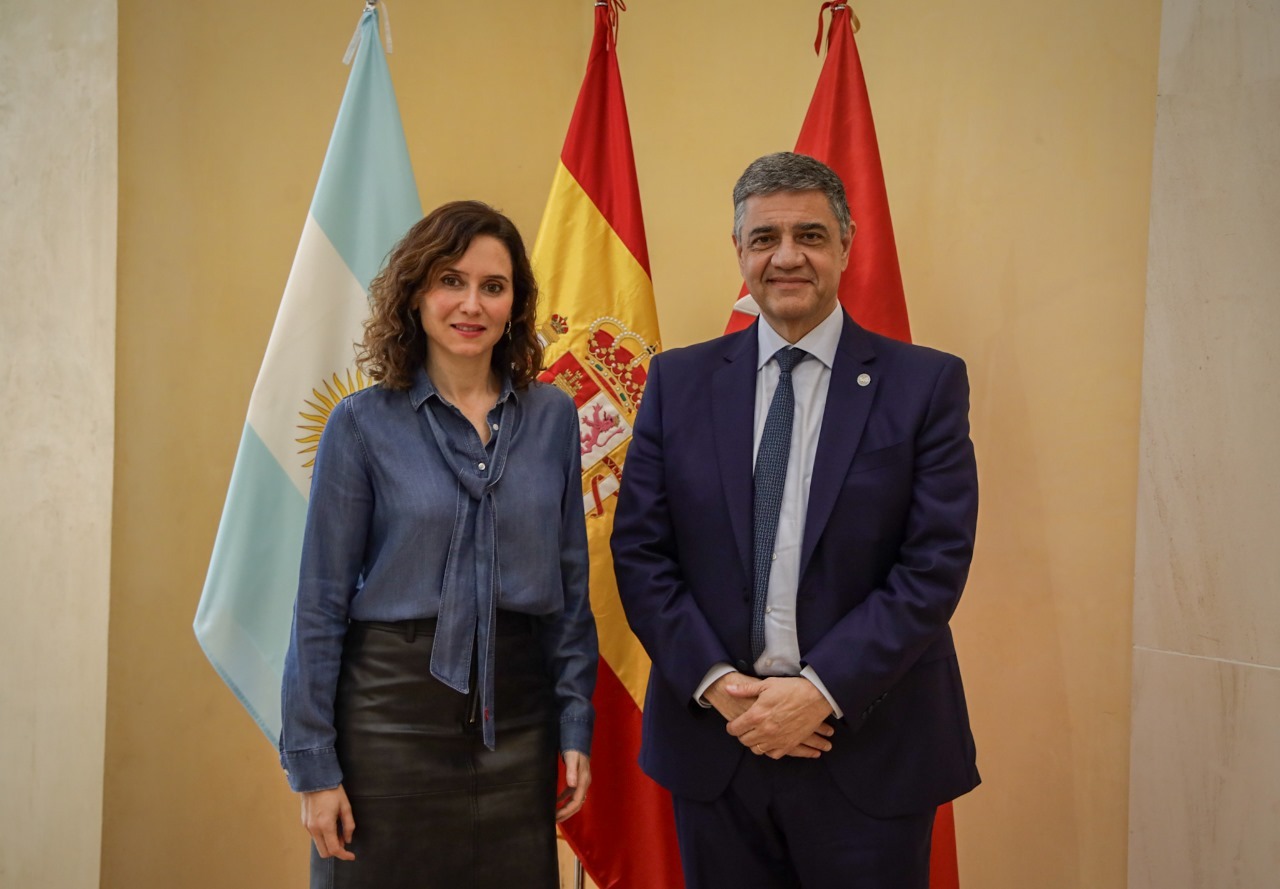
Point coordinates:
[(843, 420), (733, 387)]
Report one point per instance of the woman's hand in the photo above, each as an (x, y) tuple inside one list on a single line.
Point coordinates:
[(577, 778), (323, 811)]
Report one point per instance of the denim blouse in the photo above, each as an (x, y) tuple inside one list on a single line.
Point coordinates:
[(407, 504)]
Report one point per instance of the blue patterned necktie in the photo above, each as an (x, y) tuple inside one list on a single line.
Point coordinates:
[(770, 476)]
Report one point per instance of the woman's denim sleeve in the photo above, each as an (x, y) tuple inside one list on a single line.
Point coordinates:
[(333, 548), (569, 637)]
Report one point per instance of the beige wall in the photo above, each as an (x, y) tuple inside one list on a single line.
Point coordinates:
[(1017, 140), (1017, 144), (57, 376), (1205, 795)]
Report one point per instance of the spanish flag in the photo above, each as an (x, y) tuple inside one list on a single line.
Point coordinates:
[(600, 325), (839, 131)]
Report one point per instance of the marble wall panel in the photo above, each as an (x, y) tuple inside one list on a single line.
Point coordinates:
[(1208, 45), (1205, 791), (57, 391), (1205, 778), (1209, 492)]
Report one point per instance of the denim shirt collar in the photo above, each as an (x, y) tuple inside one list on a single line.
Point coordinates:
[(423, 388)]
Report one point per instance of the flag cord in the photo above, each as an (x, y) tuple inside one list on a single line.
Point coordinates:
[(835, 6), (384, 17), (612, 9)]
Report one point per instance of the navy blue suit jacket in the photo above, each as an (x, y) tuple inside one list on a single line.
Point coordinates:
[(887, 543)]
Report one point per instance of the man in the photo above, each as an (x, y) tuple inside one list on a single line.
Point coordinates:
[(792, 536)]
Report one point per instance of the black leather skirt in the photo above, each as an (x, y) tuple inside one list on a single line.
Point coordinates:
[(433, 807)]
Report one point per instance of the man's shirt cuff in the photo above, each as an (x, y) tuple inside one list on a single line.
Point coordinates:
[(809, 673), (713, 674)]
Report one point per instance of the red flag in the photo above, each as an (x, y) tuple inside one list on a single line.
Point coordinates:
[(600, 324), (838, 130)]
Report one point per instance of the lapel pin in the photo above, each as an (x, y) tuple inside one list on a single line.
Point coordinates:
[(864, 379)]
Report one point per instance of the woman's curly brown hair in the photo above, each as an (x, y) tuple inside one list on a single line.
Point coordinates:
[(394, 345)]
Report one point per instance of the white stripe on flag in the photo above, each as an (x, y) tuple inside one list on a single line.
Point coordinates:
[(313, 339)]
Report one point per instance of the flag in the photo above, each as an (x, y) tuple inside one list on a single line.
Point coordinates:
[(599, 322), (838, 130), (365, 201)]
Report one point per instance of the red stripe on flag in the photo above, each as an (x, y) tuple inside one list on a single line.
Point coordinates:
[(623, 803), (838, 130), (739, 321), (944, 870), (597, 149)]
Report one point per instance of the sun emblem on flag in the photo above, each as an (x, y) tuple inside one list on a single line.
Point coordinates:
[(314, 420)]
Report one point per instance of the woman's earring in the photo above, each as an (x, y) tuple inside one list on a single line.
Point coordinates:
[(508, 328)]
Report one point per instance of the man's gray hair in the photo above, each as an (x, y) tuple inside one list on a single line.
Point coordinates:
[(788, 171)]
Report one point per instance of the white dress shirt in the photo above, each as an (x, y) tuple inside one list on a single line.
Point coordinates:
[(810, 380)]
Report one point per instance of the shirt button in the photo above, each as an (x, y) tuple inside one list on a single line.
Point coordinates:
[(774, 557), (768, 662), (480, 466), (768, 609), (495, 427)]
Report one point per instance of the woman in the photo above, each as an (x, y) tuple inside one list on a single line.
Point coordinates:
[(443, 646)]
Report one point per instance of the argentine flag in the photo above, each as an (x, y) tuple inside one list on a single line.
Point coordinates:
[(365, 201)]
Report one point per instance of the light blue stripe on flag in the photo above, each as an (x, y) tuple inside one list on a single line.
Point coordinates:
[(365, 201), (255, 557)]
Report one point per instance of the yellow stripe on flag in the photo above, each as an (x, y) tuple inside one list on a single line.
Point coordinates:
[(582, 265), (618, 647), (598, 319)]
